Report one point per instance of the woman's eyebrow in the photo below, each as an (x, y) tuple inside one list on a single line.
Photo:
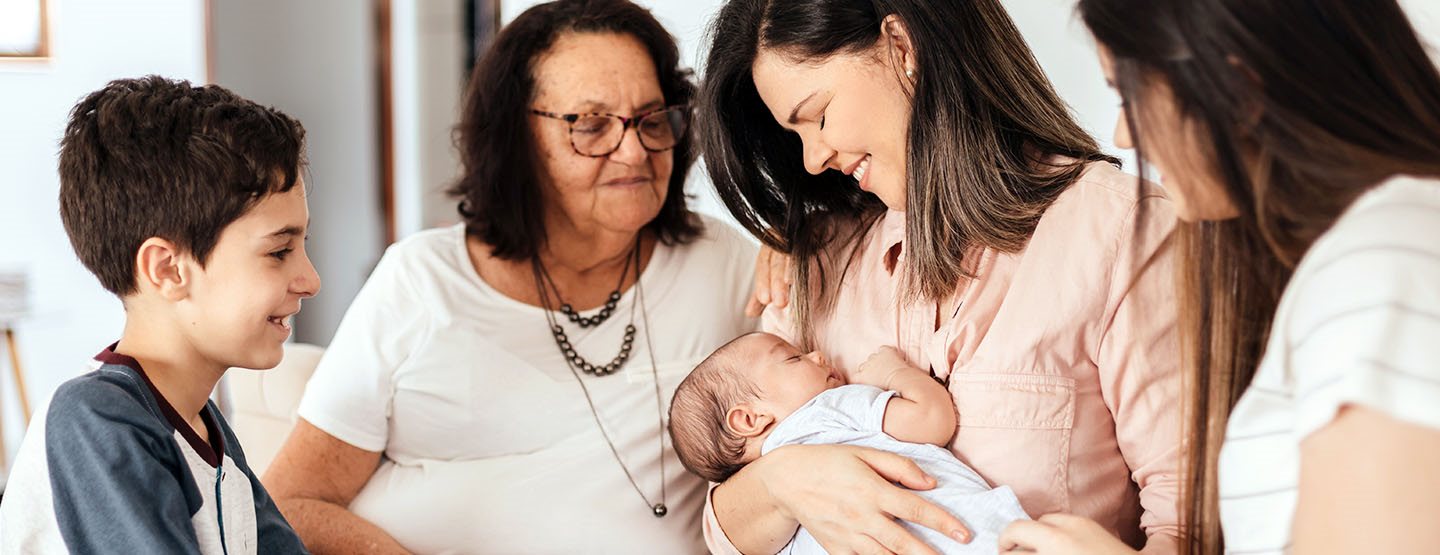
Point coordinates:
[(598, 106)]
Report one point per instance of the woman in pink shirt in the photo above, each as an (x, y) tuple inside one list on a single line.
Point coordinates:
[(940, 198)]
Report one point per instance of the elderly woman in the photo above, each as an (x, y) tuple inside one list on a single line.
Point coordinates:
[(498, 385)]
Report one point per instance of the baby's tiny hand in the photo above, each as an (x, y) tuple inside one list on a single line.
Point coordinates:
[(879, 368)]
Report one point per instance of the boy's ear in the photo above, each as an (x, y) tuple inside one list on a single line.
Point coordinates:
[(161, 266), (745, 421)]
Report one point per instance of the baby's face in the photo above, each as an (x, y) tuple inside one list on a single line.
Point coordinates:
[(786, 377)]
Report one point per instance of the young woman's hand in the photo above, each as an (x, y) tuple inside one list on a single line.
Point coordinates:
[(845, 496), (1060, 534), (772, 282)]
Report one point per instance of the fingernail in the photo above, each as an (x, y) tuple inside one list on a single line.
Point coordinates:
[(960, 536)]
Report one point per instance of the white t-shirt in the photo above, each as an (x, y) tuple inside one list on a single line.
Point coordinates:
[(1359, 324), (489, 446)]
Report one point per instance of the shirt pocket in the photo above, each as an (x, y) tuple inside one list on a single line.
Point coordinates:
[(1015, 429)]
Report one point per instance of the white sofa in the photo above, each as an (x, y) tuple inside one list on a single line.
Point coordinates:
[(261, 403)]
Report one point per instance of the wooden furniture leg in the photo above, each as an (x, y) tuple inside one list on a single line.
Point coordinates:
[(19, 375), (4, 463)]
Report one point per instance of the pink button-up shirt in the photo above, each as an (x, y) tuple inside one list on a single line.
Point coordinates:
[(1062, 359)]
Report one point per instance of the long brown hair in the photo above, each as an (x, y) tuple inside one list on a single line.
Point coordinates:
[(1301, 106), (985, 126)]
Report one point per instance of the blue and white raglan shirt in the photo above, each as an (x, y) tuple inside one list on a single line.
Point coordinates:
[(110, 467)]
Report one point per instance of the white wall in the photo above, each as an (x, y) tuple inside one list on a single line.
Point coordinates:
[(1067, 53), (93, 41), (315, 60), (1425, 16)]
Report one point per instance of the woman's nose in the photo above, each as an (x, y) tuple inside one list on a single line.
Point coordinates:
[(630, 151), (1122, 132), (817, 156)]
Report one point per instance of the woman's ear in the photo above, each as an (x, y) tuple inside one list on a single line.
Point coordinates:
[(746, 421), (895, 38)]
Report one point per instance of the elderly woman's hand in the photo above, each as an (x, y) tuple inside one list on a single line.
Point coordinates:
[(1061, 534), (772, 282), (846, 498)]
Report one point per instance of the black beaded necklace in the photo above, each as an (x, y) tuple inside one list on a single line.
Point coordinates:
[(578, 363), (546, 285)]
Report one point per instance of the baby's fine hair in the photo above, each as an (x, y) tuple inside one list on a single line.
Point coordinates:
[(705, 445)]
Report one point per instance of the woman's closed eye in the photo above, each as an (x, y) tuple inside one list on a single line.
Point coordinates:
[(823, 110), (281, 254)]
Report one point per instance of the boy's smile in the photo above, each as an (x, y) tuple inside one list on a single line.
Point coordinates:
[(241, 304)]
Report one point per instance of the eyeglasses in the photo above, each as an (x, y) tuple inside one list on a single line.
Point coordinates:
[(598, 135)]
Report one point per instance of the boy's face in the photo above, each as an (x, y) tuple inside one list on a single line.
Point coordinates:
[(240, 306), (786, 378)]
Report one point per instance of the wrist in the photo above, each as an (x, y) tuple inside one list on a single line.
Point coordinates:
[(760, 471), (886, 379)]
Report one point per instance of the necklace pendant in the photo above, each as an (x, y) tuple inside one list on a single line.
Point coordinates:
[(660, 510)]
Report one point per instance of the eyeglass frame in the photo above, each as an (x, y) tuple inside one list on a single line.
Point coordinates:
[(626, 124)]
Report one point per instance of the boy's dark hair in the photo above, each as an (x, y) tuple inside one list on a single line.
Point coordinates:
[(156, 157), (704, 444)]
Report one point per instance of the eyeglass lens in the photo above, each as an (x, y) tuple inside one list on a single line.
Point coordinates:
[(598, 135)]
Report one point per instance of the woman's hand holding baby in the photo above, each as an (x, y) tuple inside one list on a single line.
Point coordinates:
[(846, 497)]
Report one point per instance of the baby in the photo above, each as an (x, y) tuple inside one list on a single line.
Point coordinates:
[(758, 393)]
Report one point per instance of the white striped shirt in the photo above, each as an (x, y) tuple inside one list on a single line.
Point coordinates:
[(1359, 324)]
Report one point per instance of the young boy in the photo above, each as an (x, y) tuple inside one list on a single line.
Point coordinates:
[(187, 203), (759, 393)]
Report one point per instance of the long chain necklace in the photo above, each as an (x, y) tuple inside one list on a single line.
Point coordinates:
[(541, 280)]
